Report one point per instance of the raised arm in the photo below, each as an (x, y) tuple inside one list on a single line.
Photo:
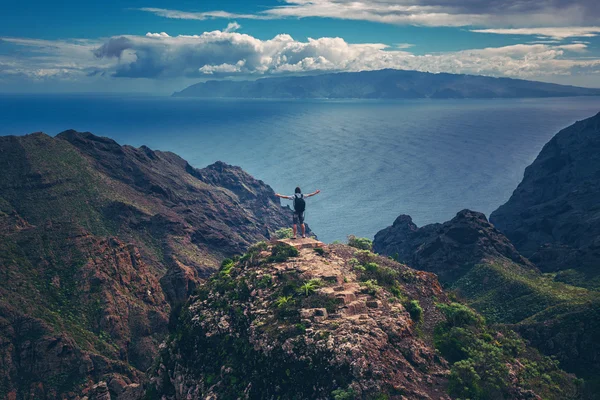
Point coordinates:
[(283, 197), (313, 193)]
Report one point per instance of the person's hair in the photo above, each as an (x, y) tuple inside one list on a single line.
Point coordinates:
[(298, 190)]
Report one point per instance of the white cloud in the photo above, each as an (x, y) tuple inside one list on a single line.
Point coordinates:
[(232, 27), (233, 53), (159, 56), (199, 16), (557, 33), (492, 13)]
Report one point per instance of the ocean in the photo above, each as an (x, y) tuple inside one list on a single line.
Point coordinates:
[(372, 160)]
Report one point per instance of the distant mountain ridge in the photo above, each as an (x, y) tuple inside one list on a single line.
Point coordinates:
[(383, 84)]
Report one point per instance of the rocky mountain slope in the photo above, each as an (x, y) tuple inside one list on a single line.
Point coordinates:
[(341, 323), (383, 84), (483, 267), (553, 217), (97, 242), (450, 249)]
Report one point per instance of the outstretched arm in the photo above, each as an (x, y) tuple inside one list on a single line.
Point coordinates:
[(282, 196), (313, 193)]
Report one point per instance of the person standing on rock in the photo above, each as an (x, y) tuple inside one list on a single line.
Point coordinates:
[(299, 208)]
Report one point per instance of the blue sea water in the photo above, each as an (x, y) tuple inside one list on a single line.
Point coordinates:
[(372, 160)]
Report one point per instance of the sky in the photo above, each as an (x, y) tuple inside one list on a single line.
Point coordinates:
[(162, 46)]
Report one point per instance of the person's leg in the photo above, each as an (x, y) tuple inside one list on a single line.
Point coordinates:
[(303, 230), (295, 229)]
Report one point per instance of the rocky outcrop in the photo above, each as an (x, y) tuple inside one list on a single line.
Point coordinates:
[(482, 267), (332, 322), (449, 249), (553, 216), (97, 242)]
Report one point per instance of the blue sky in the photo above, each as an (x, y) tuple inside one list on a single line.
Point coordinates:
[(161, 46)]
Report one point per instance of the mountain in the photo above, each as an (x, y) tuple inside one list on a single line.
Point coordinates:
[(553, 217), (98, 242), (383, 84), (481, 265), (451, 249), (335, 322)]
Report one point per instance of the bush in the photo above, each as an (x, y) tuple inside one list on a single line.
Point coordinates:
[(360, 243), (284, 301), (371, 287), (319, 250), (281, 252), (309, 287), (414, 309), (284, 233), (341, 394), (460, 315)]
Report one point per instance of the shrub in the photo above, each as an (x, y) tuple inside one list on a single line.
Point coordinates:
[(360, 243), (281, 252), (341, 394), (283, 301), (371, 287), (265, 281), (460, 315), (414, 309), (309, 287), (284, 233), (319, 250)]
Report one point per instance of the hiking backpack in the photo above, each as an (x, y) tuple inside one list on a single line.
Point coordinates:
[(299, 204)]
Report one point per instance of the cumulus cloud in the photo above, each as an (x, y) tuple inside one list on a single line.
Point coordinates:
[(232, 53), (491, 13), (159, 57)]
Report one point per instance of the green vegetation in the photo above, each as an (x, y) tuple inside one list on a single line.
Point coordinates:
[(283, 301), (483, 361), (360, 243), (319, 250), (415, 310), (281, 252), (341, 394), (284, 233), (310, 287), (505, 292), (371, 287)]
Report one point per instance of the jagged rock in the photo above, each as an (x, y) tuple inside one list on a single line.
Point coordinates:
[(448, 249), (553, 215), (475, 259)]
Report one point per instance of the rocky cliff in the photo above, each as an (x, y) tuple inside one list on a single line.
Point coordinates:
[(450, 249), (97, 242), (482, 267), (553, 217), (340, 323)]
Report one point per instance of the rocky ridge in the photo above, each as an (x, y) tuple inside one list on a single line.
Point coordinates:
[(98, 242), (332, 322), (449, 249)]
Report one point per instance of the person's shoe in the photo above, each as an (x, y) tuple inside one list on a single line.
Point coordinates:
[(303, 236), (293, 238)]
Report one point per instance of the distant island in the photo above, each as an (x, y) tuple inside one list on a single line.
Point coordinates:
[(382, 84)]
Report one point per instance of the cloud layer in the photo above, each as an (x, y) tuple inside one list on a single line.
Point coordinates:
[(489, 13), (230, 53), (159, 56)]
